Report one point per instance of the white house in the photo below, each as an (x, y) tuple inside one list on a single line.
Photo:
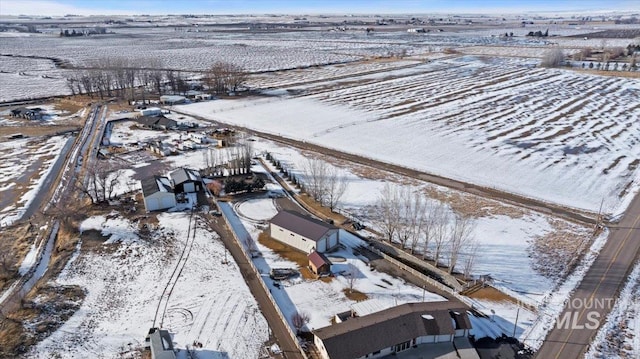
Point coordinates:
[(157, 193), (406, 327), (303, 232), (172, 99)]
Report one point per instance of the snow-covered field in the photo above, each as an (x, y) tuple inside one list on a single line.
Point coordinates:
[(24, 164), (209, 304), (554, 135)]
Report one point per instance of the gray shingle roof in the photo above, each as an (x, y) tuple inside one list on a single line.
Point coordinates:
[(362, 335), (182, 175), (154, 184), (305, 226)]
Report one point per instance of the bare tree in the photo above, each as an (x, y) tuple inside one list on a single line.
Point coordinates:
[(100, 182), (553, 58), (157, 79), (388, 211), (470, 258), (299, 320), (411, 210), (172, 80), (461, 236), (315, 173), (336, 185), (351, 275), (225, 76), (441, 232), (431, 212)]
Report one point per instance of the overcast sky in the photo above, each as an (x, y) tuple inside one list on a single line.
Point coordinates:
[(132, 7)]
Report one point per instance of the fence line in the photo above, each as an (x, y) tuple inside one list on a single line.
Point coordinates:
[(264, 286), (423, 277)]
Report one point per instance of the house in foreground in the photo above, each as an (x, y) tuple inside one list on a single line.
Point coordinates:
[(304, 233), (426, 326), (157, 193)]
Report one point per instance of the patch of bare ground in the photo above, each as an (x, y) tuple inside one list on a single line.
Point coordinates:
[(555, 253), (29, 130), (283, 250), (42, 312), (474, 206), (15, 242), (627, 74), (490, 293), (354, 294)]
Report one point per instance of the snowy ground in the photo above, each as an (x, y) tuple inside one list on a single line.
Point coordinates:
[(552, 134), (24, 164), (209, 303), (505, 233), (506, 236), (304, 295)]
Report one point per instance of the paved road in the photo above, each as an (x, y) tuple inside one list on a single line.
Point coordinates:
[(594, 297), (278, 328)]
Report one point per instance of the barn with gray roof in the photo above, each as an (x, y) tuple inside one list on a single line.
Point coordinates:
[(303, 232)]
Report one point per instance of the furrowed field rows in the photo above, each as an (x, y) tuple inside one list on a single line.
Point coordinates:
[(545, 118)]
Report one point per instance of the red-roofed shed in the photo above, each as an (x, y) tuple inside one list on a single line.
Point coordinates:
[(319, 263)]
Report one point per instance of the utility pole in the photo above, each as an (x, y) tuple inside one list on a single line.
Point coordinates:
[(515, 325)]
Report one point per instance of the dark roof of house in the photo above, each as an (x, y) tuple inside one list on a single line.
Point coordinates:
[(305, 226), (318, 259), (182, 175), (166, 122), (147, 120), (359, 336), (155, 184)]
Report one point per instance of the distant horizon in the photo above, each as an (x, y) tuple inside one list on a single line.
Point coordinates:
[(314, 7)]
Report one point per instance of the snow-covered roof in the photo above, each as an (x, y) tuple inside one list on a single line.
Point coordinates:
[(182, 175), (155, 184), (370, 306)]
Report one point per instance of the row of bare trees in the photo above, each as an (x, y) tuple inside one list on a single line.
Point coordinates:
[(324, 183), (425, 226), (237, 159), (122, 77), (125, 78), (224, 77)]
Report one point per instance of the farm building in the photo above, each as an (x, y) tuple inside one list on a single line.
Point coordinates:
[(27, 113), (156, 122), (412, 326), (319, 263), (186, 180), (303, 232), (172, 99), (150, 111), (160, 344), (157, 193)]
